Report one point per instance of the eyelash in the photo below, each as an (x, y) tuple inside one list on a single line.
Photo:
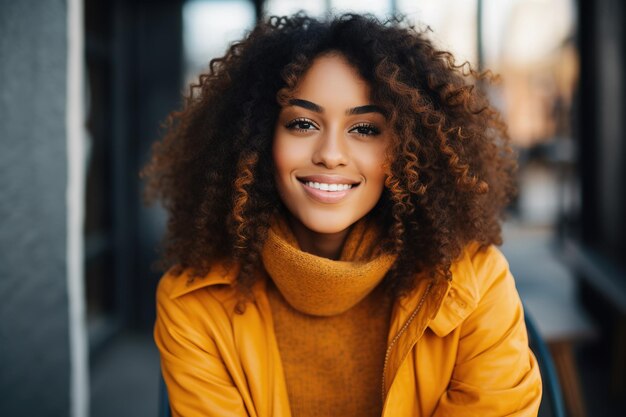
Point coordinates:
[(374, 131), (296, 124)]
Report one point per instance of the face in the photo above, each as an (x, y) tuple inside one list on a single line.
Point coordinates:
[(329, 148)]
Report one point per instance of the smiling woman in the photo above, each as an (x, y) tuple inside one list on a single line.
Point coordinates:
[(334, 190)]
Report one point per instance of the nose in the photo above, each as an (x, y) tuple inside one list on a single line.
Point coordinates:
[(331, 150)]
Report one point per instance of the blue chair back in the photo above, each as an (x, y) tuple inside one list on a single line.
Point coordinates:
[(552, 402), (164, 401)]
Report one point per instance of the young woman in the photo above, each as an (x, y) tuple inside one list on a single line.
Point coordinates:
[(334, 190)]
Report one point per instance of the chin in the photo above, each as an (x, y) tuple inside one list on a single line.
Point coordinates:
[(327, 224)]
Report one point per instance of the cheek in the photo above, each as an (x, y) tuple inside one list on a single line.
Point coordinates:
[(285, 152), (376, 167), (285, 161), (280, 157)]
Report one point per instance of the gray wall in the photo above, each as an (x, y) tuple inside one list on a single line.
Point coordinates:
[(34, 346)]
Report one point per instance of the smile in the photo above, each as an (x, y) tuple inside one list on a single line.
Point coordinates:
[(328, 187), (328, 190)]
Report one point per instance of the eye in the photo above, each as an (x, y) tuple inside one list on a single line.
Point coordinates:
[(301, 125), (366, 129)]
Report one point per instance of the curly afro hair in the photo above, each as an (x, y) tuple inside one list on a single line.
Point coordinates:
[(450, 163)]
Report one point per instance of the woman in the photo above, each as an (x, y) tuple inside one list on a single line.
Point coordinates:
[(334, 191)]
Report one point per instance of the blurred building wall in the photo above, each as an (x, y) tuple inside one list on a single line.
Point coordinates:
[(601, 129), (34, 330)]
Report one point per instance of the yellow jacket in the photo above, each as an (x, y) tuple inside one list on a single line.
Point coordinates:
[(455, 348)]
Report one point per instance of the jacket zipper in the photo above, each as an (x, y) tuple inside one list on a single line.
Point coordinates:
[(397, 336)]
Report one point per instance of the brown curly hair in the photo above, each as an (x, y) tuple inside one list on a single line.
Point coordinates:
[(451, 166)]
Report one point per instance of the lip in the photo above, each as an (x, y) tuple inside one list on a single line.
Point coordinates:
[(328, 179)]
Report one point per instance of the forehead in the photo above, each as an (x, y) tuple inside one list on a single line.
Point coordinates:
[(332, 78)]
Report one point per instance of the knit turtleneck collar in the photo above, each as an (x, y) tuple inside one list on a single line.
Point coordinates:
[(321, 286)]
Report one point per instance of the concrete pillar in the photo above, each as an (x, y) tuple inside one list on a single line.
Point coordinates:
[(37, 338)]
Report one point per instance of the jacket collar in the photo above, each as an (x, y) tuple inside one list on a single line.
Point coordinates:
[(453, 301), (219, 274), (460, 299), (450, 301)]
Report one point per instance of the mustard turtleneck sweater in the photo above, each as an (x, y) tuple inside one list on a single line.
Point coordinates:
[(331, 322)]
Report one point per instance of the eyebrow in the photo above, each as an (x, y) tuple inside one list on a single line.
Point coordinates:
[(369, 108), (306, 105)]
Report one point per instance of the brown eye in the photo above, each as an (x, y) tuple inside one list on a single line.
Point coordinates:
[(366, 129), (302, 125)]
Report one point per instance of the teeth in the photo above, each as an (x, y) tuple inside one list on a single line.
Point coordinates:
[(328, 187)]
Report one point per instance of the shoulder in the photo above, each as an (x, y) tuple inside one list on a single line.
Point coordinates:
[(479, 276), (186, 292), (480, 270)]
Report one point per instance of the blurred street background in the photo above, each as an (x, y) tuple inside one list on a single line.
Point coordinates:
[(86, 84)]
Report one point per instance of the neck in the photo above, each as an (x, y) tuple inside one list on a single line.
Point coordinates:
[(327, 245)]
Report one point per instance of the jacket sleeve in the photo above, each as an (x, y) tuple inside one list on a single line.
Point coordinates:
[(495, 373), (197, 380)]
